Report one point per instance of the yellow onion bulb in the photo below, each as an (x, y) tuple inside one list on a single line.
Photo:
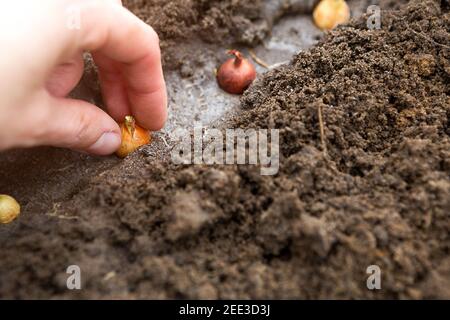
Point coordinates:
[(330, 13), (133, 137), (9, 209)]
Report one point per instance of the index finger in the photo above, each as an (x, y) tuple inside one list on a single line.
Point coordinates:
[(113, 33)]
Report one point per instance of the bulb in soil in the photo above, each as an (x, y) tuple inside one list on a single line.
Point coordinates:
[(330, 13), (236, 74), (133, 137), (9, 209)]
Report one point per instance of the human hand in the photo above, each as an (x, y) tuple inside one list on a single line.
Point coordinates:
[(41, 62)]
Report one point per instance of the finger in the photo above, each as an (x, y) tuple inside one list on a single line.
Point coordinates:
[(65, 77), (147, 95), (115, 33), (113, 89), (77, 125)]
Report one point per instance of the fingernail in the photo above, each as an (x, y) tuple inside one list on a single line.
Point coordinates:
[(108, 143)]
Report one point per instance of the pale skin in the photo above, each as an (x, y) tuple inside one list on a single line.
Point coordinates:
[(41, 61)]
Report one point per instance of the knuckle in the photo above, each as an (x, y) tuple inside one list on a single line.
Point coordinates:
[(81, 132)]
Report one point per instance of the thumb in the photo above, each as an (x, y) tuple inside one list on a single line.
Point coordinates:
[(79, 125)]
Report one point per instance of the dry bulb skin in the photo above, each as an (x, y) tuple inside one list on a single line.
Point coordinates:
[(9, 209), (133, 137), (236, 74), (330, 13)]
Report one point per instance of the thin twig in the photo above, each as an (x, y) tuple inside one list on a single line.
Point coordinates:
[(55, 213), (322, 129), (258, 60), (110, 275), (165, 142), (279, 64), (428, 38)]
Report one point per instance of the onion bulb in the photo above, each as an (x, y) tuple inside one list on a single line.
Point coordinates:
[(236, 74), (133, 137), (9, 209), (330, 13)]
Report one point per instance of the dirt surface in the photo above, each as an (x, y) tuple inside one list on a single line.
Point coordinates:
[(223, 22), (376, 193), (217, 21)]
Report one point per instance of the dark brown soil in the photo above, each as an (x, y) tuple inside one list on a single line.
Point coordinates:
[(217, 21), (378, 194)]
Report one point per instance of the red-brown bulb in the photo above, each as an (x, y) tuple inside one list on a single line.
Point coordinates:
[(236, 74)]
